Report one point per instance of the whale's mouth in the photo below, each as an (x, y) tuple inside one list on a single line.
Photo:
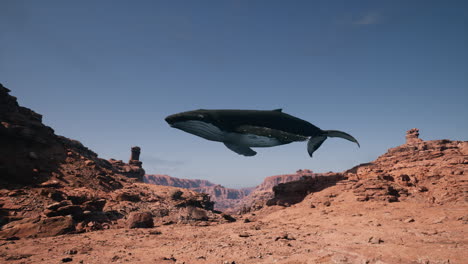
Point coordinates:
[(202, 129)]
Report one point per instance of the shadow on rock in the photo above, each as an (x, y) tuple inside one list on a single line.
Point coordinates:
[(294, 192)]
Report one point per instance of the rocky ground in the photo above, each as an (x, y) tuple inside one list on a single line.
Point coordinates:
[(60, 203), (345, 231)]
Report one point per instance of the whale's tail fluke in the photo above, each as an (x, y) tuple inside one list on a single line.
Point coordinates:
[(315, 142)]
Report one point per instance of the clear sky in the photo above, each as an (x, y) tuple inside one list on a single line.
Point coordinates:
[(107, 73)]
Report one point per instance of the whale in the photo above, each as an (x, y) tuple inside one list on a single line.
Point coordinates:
[(242, 130)]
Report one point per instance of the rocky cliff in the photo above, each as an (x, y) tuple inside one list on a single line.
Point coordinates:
[(427, 171), (167, 180), (228, 199), (224, 198), (264, 192), (52, 185)]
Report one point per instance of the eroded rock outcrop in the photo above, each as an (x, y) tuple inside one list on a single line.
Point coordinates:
[(436, 168), (224, 198), (429, 171), (132, 169), (167, 180), (264, 192), (53, 185)]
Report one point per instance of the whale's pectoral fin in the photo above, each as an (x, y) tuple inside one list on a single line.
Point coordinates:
[(315, 143), (242, 150)]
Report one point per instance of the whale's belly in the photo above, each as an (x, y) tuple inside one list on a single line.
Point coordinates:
[(211, 132), (251, 140)]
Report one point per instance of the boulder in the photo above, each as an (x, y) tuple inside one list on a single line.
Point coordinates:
[(51, 226), (140, 220)]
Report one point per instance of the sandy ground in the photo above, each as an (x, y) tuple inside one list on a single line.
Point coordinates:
[(372, 232)]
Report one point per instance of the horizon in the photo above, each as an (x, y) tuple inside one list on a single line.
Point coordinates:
[(371, 69)]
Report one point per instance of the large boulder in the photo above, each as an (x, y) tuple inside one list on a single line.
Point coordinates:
[(51, 226)]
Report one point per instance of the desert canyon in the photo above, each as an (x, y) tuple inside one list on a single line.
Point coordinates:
[(61, 203)]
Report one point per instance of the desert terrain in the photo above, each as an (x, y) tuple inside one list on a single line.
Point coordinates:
[(61, 203)]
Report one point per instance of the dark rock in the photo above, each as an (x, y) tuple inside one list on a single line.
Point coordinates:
[(126, 196), (94, 205), (135, 154), (73, 210), (229, 218), (177, 195)]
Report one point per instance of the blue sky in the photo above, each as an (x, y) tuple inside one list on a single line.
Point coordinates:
[(108, 72)]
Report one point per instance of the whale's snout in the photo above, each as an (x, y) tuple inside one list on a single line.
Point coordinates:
[(170, 119), (185, 116)]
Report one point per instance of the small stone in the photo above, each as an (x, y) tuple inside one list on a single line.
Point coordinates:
[(67, 260), (155, 232), (71, 252), (375, 240), (170, 258), (409, 220), (33, 155), (244, 234), (89, 163), (228, 217), (439, 220), (327, 203), (312, 205), (422, 189), (51, 184), (285, 236)]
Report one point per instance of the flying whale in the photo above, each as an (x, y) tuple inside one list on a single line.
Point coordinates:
[(241, 130)]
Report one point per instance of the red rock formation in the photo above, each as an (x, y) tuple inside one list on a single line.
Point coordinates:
[(271, 181), (430, 171), (29, 151), (167, 180), (264, 192), (295, 191), (436, 168), (227, 199), (224, 198), (52, 185)]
